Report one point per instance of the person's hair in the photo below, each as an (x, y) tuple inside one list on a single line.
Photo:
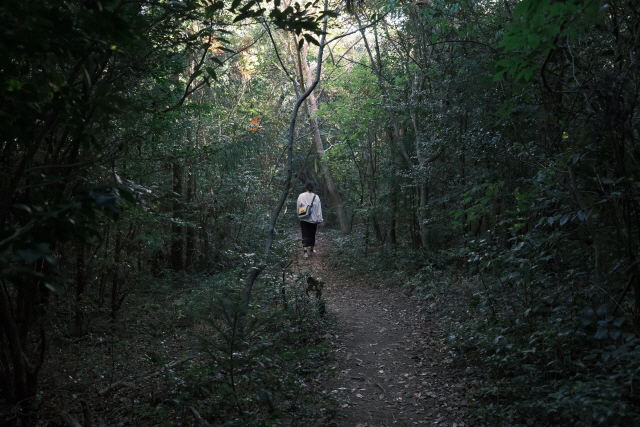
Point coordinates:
[(309, 186)]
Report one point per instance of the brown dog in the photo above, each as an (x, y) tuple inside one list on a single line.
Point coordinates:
[(316, 285)]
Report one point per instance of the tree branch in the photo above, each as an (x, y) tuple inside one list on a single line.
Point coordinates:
[(358, 30), (256, 270)]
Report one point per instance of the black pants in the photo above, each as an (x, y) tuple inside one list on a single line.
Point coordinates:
[(308, 233)]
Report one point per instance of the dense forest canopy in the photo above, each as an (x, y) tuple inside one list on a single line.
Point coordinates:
[(494, 142)]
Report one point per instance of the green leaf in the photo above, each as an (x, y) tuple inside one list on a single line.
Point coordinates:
[(210, 10), (127, 195), (498, 76), (309, 38), (249, 5), (23, 207), (53, 261), (54, 288), (35, 253), (591, 356), (241, 16), (212, 73)]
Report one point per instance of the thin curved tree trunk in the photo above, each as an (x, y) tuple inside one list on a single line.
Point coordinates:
[(257, 269)]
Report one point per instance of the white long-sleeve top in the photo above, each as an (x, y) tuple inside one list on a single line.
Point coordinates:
[(304, 200)]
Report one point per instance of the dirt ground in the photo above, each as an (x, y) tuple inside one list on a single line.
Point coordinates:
[(390, 365)]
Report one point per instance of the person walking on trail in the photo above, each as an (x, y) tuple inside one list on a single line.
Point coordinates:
[(310, 213)]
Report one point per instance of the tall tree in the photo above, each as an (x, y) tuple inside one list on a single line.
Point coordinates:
[(306, 74)]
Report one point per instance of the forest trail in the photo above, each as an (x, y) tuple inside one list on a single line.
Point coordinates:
[(388, 361)]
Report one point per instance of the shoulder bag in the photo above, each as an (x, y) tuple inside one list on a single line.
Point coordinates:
[(305, 212)]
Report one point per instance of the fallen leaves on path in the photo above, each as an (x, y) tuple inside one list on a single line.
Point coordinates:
[(391, 366)]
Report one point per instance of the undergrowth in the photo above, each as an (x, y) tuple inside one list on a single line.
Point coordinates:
[(259, 366), (555, 349), (552, 347), (392, 264)]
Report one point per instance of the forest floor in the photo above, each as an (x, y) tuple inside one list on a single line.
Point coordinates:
[(388, 364), (391, 366)]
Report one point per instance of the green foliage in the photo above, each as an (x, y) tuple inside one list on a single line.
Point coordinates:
[(505, 140), (139, 112), (533, 195), (388, 263), (257, 360), (537, 28), (550, 361)]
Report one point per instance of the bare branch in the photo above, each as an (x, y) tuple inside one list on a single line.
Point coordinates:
[(357, 30)]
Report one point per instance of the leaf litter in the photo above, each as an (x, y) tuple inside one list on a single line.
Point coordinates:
[(390, 365)]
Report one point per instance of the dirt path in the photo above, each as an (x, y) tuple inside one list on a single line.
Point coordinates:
[(390, 365)]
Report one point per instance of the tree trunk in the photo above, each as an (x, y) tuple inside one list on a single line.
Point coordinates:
[(415, 232), (204, 225), (415, 96), (191, 231), (17, 388), (178, 214), (393, 192), (372, 185), (104, 274), (393, 209), (81, 283), (422, 217), (18, 372), (257, 269), (115, 285), (305, 73)]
